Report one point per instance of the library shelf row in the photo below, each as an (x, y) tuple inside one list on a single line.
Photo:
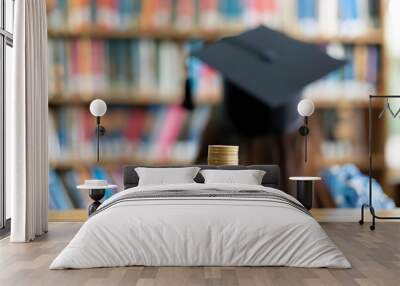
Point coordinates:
[(346, 103), (374, 36), (132, 99), (112, 162), (140, 100)]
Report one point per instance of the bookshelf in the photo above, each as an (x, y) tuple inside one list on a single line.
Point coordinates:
[(60, 100), (128, 99), (151, 99), (111, 162), (63, 31), (372, 37)]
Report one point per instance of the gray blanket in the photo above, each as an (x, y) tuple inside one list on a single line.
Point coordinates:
[(203, 194)]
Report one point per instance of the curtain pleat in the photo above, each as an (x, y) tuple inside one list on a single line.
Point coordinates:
[(28, 159), (15, 130)]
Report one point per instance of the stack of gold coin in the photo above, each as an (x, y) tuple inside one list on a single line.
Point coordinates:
[(223, 155)]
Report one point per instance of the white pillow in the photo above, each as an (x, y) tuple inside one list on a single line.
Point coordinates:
[(163, 176), (248, 177)]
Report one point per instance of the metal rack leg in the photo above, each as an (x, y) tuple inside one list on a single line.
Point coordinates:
[(361, 221), (372, 210), (374, 216)]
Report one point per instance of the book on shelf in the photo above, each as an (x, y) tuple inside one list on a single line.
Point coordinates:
[(344, 133), (206, 83), (63, 192), (124, 68), (307, 16), (188, 142), (155, 70), (311, 17), (355, 81), (58, 195), (71, 180), (168, 135), (337, 17), (185, 14), (209, 15), (79, 13), (154, 123), (170, 69), (155, 134)]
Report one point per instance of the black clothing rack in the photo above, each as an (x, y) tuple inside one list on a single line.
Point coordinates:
[(369, 205)]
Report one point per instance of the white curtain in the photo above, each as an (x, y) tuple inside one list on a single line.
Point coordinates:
[(26, 123)]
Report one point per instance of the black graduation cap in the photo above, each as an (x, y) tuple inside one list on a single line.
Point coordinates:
[(263, 72)]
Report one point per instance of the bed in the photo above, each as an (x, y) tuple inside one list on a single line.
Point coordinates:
[(201, 224)]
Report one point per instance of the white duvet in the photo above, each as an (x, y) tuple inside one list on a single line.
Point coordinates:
[(200, 231)]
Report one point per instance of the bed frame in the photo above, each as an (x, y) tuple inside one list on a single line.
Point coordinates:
[(271, 177)]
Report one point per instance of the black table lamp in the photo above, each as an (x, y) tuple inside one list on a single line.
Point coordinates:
[(305, 108), (98, 108)]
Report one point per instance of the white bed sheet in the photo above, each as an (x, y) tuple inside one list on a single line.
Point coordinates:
[(200, 231)]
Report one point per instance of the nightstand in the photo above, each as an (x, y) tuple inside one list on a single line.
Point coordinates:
[(97, 189), (305, 190)]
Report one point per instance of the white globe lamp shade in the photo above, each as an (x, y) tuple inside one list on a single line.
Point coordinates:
[(305, 107), (98, 107)]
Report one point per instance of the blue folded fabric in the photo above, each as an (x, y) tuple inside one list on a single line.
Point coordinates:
[(349, 188)]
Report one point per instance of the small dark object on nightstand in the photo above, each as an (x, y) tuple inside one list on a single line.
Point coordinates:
[(96, 195)]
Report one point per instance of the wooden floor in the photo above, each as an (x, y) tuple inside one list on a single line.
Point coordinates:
[(375, 257), (321, 215)]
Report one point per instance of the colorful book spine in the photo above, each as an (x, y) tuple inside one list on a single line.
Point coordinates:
[(72, 180), (347, 17), (79, 14), (358, 78), (131, 133), (98, 67), (158, 124), (58, 193), (147, 81), (328, 21), (147, 14), (208, 14), (136, 121), (173, 123), (185, 14), (107, 16), (169, 69), (187, 146)]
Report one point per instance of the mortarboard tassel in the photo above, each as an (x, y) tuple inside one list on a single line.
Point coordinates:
[(188, 97)]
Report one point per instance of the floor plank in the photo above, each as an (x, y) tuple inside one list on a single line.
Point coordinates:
[(375, 257), (321, 215)]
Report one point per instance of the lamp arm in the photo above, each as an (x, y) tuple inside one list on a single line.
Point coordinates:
[(98, 137), (306, 138), (303, 130), (100, 131)]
